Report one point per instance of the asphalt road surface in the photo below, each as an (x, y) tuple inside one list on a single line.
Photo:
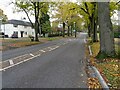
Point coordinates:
[(63, 67), (24, 50)]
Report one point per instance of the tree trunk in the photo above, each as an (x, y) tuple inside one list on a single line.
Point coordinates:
[(68, 30), (71, 30), (63, 29), (43, 34), (75, 30), (89, 31), (36, 8), (105, 28), (90, 26), (94, 22), (95, 38)]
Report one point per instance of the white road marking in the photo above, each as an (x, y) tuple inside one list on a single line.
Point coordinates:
[(19, 63), (32, 54), (57, 46), (11, 62), (15, 57), (50, 49), (53, 48), (42, 50), (1, 70)]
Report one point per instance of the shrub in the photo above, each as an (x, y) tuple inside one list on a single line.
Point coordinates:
[(116, 34)]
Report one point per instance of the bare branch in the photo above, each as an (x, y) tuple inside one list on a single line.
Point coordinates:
[(28, 17)]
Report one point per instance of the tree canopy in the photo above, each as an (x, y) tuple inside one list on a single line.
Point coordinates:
[(3, 16)]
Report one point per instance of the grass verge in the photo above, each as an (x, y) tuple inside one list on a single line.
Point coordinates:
[(8, 44), (109, 67)]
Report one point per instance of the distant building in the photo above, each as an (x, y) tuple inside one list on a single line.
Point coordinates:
[(17, 28)]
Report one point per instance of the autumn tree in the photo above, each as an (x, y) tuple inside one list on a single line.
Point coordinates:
[(64, 14), (31, 8), (89, 12), (3, 17), (45, 24), (44, 19)]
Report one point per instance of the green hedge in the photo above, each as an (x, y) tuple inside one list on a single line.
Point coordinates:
[(116, 34), (54, 35)]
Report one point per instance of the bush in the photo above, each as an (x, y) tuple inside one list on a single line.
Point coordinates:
[(54, 35), (116, 34), (31, 37)]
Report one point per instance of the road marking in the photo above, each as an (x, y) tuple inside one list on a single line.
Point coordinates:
[(31, 58), (15, 57), (18, 63), (50, 49), (11, 62), (42, 50), (1, 70), (32, 54), (12, 65), (53, 48), (57, 46)]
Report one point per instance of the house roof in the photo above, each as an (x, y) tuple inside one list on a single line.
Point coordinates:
[(18, 22)]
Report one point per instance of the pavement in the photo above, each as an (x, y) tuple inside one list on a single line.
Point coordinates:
[(56, 64)]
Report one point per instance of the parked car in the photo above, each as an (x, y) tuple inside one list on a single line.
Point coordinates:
[(6, 36), (14, 36)]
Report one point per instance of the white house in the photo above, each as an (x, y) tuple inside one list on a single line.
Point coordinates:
[(17, 28)]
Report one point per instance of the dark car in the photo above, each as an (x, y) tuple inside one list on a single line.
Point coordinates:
[(14, 36)]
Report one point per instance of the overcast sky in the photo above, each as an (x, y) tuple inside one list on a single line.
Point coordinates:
[(8, 10)]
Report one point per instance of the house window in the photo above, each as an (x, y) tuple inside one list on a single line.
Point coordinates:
[(25, 26), (32, 33), (15, 32), (15, 25)]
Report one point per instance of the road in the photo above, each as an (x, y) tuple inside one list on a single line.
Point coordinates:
[(24, 50), (63, 67)]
